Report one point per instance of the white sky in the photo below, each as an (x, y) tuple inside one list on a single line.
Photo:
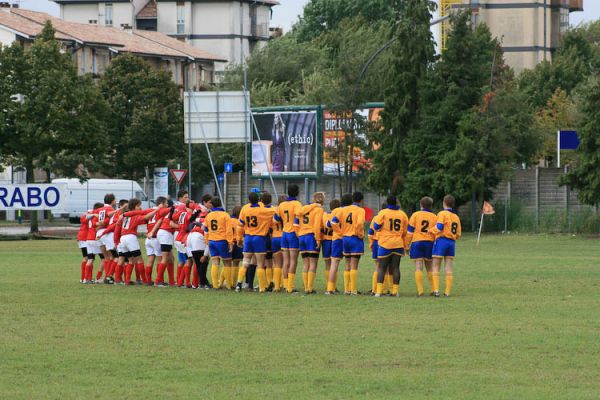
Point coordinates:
[(287, 13)]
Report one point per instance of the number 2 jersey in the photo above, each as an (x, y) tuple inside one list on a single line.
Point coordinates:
[(420, 227), (391, 225), (447, 225)]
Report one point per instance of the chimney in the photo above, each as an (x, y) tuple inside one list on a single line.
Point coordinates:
[(4, 5), (15, 5), (126, 27), (93, 21)]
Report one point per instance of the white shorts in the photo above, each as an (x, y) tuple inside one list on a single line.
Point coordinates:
[(152, 247), (108, 241), (121, 248), (93, 247), (99, 233), (130, 243), (164, 237), (82, 244), (195, 242), (180, 247)]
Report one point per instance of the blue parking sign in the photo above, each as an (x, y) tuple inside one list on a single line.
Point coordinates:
[(228, 168)]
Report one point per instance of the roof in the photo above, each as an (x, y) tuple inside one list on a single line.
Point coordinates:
[(29, 24), (264, 2), (149, 11)]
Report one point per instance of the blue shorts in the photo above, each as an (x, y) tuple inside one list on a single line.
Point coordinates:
[(353, 246), (443, 247), (382, 252), (289, 241), (237, 253), (421, 250), (219, 248), (374, 249), (337, 249), (255, 244), (326, 247), (308, 243), (276, 245), (182, 257)]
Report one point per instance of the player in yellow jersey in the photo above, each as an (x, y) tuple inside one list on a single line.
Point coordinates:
[(421, 240), (447, 231), (337, 247), (352, 225), (255, 222), (310, 235), (218, 231), (392, 224), (328, 237), (236, 254), (290, 247), (276, 233), (266, 200), (374, 246)]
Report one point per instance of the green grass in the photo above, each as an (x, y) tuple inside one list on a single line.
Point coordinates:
[(523, 324)]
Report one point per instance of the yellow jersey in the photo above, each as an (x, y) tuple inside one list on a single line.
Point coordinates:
[(327, 231), (276, 226), (218, 226), (255, 220), (310, 220), (420, 225), (448, 225), (286, 214), (335, 227), (373, 234), (351, 221), (235, 226), (392, 225)]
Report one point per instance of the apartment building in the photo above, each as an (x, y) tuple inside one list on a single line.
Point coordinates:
[(231, 29)]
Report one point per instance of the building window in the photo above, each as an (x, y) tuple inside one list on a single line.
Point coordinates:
[(180, 19), (108, 15)]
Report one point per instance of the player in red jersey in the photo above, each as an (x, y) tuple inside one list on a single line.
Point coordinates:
[(129, 228), (198, 250), (107, 237), (81, 241), (105, 217), (153, 251), (184, 218), (93, 247)]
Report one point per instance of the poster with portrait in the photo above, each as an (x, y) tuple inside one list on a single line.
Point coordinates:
[(285, 143)]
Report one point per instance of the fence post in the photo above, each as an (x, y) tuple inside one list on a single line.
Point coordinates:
[(225, 190), (537, 198), (306, 190), (507, 206), (567, 208), (240, 187)]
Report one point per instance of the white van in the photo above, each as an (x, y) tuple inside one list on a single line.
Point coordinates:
[(82, 196)]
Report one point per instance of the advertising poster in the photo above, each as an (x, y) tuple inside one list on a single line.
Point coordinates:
[(286, 143), (336, 126), (161, 182)]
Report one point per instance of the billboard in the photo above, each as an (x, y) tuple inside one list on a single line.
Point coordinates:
[(33, 197), (336, 125), (285, 143), (161, 182)]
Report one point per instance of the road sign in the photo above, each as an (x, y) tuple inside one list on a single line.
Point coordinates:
[(228, 168), (221, 178), (178, 175)]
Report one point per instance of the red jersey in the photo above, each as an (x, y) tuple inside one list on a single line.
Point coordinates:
[(103, 218), (180, 216), (91, 231), (132, 220), (118, 227), (83, 228), (153, 222)]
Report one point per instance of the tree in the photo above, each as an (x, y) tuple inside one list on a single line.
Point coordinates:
[(412, 53), (58, 125), (585, 174), (145, 125), (322, 16)]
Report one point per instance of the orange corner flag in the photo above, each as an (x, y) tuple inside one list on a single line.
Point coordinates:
[(488, 209)]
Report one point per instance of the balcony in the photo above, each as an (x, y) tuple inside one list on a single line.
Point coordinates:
[(259, 30), (575, 5)]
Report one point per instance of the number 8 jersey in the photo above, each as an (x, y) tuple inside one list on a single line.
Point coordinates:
[(448, 225), (392, 225)]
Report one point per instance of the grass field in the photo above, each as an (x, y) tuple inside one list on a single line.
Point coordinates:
[(524, 323)]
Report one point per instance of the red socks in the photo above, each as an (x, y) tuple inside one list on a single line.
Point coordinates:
[(148, 272), (171, 273), (195, 277), (89, 269), (83, 264), (187, 271), (118, 273), (128, 271), (160, 273), (139, 268)]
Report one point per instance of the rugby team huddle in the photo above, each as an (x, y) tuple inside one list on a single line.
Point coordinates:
[(264, 241)]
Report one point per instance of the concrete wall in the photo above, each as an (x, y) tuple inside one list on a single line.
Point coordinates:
[(6, 37), (83, 13)]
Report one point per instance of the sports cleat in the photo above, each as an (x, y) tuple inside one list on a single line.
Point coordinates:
[(377, 295), (420, 294), (436, 294), (130, 283), (86, 282), (337, 291), (347, 292), (271, 287), (432, 294), (329, 293), (81, 281), (161, 285), (238, 287), (354, 293), (446, 295), (181, 287), (139, 282)]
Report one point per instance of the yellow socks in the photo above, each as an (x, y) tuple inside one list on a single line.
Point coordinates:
[(269, 275), (277, 277), (374, 282), (388, 282), (436, 281), (430, 278), (222, 278), (354, 281), (326, 272), (448, 284), (331, 286), (379, 288), (214, 273), (234, 274), (419, 280), (311, 281), (346, 281), (241, 274), (305, 280), (262, 279), (226, 272), (395, 289), (291, 282)]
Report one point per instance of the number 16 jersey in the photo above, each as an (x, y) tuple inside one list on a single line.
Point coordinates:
[(392, 225)]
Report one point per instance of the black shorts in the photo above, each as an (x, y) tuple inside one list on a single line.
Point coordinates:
[(310, 255), (114, 253), (84, 251), (135, 253), (165, 248), (269, 255), (91, 256)]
